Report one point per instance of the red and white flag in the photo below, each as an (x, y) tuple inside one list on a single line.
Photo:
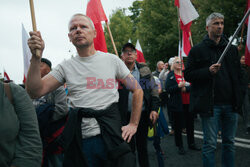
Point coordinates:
[(96, 13), (140, 57), (6, 76), (26, 53), (187, 11), (187, 15), (247, 49)]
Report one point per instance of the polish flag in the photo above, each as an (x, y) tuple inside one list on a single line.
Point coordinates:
[(6, 76), (26, 53), (247, 49), (96, 13), (187, 15), (187, 11), (140, 57)]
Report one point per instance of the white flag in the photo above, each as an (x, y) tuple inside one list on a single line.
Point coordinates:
[(187, 11), (26, 52)]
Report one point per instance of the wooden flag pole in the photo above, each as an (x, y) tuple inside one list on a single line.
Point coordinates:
[(190, 38), (33, 18), (112, 40)]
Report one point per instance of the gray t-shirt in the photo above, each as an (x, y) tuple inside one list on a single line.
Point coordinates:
[(91, 83)]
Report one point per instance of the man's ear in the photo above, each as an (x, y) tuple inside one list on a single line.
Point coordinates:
[(69, 37), (207, 28), (95, 33)]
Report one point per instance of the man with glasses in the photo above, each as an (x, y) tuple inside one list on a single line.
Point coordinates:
[(150, 101), (217, 90)]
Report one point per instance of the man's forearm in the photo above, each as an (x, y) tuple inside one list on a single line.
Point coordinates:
[(136, 106), (34, 82)]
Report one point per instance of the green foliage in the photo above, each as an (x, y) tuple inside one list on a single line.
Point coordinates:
[(232, 10), (121, 28), (158, 30), (154, 23)]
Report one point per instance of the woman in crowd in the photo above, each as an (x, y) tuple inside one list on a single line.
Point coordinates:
[(20, 143), (178, 104)]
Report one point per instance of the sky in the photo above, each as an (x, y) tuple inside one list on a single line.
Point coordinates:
[(52, 17)]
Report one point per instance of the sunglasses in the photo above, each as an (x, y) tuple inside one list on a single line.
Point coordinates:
[(178, 62), (129, 51)]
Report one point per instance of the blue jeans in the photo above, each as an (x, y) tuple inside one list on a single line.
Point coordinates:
[(228, 119), (94, 150)]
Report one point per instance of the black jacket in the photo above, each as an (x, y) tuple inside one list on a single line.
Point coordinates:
[(174, 102), (118, 151), (150, 93), (200, 58)]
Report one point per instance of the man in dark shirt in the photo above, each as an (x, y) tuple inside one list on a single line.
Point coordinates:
[(217, 90)]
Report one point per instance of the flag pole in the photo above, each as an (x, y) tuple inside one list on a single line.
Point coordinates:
[(190, 38), (234, 35), (33, 18), (112, 40), (180, 41)]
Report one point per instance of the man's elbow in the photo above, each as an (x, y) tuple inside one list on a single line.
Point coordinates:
[(139, 92)]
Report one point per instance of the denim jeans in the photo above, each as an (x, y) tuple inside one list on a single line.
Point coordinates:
[(228, 120), (95, 151)]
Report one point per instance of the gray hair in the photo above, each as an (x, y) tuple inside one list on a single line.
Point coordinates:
[(79, 14), (159, 63), (213, 16)]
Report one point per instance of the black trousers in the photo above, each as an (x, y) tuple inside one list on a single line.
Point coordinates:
[(139, 141), (183, 119)]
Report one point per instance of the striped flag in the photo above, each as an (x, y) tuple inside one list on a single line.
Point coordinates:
[(140, 57)]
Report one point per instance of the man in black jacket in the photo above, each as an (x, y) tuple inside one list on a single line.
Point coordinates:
[(217, 90), (150, 101)]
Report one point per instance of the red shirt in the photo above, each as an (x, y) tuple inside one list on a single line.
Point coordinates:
[(185, 95)]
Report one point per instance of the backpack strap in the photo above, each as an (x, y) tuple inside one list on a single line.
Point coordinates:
[(8, 92)]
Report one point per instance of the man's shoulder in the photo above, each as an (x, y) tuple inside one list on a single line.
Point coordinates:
[(199, 45)]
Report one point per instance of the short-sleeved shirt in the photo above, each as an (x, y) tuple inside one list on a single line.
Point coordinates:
[(91, 83)]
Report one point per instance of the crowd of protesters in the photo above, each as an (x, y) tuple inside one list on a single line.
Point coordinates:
[(103, 118)]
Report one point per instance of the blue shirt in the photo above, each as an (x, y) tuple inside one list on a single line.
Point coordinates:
[(135, 72)]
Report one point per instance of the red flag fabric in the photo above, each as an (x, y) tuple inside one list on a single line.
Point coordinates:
[(176, 3), (99, 41), (186, 46), (6, 76), (140, 57), (185, 27), (96, 13)]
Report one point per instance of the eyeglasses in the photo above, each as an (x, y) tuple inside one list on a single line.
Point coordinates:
[(178, 62), (129, 51)]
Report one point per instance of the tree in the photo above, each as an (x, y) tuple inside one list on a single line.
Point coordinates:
[(158, 30), (232, 10), (135, 9), (121, 28)]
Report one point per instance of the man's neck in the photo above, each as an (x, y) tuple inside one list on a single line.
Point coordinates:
[(130, 66), (215, 39), (86, 52)]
